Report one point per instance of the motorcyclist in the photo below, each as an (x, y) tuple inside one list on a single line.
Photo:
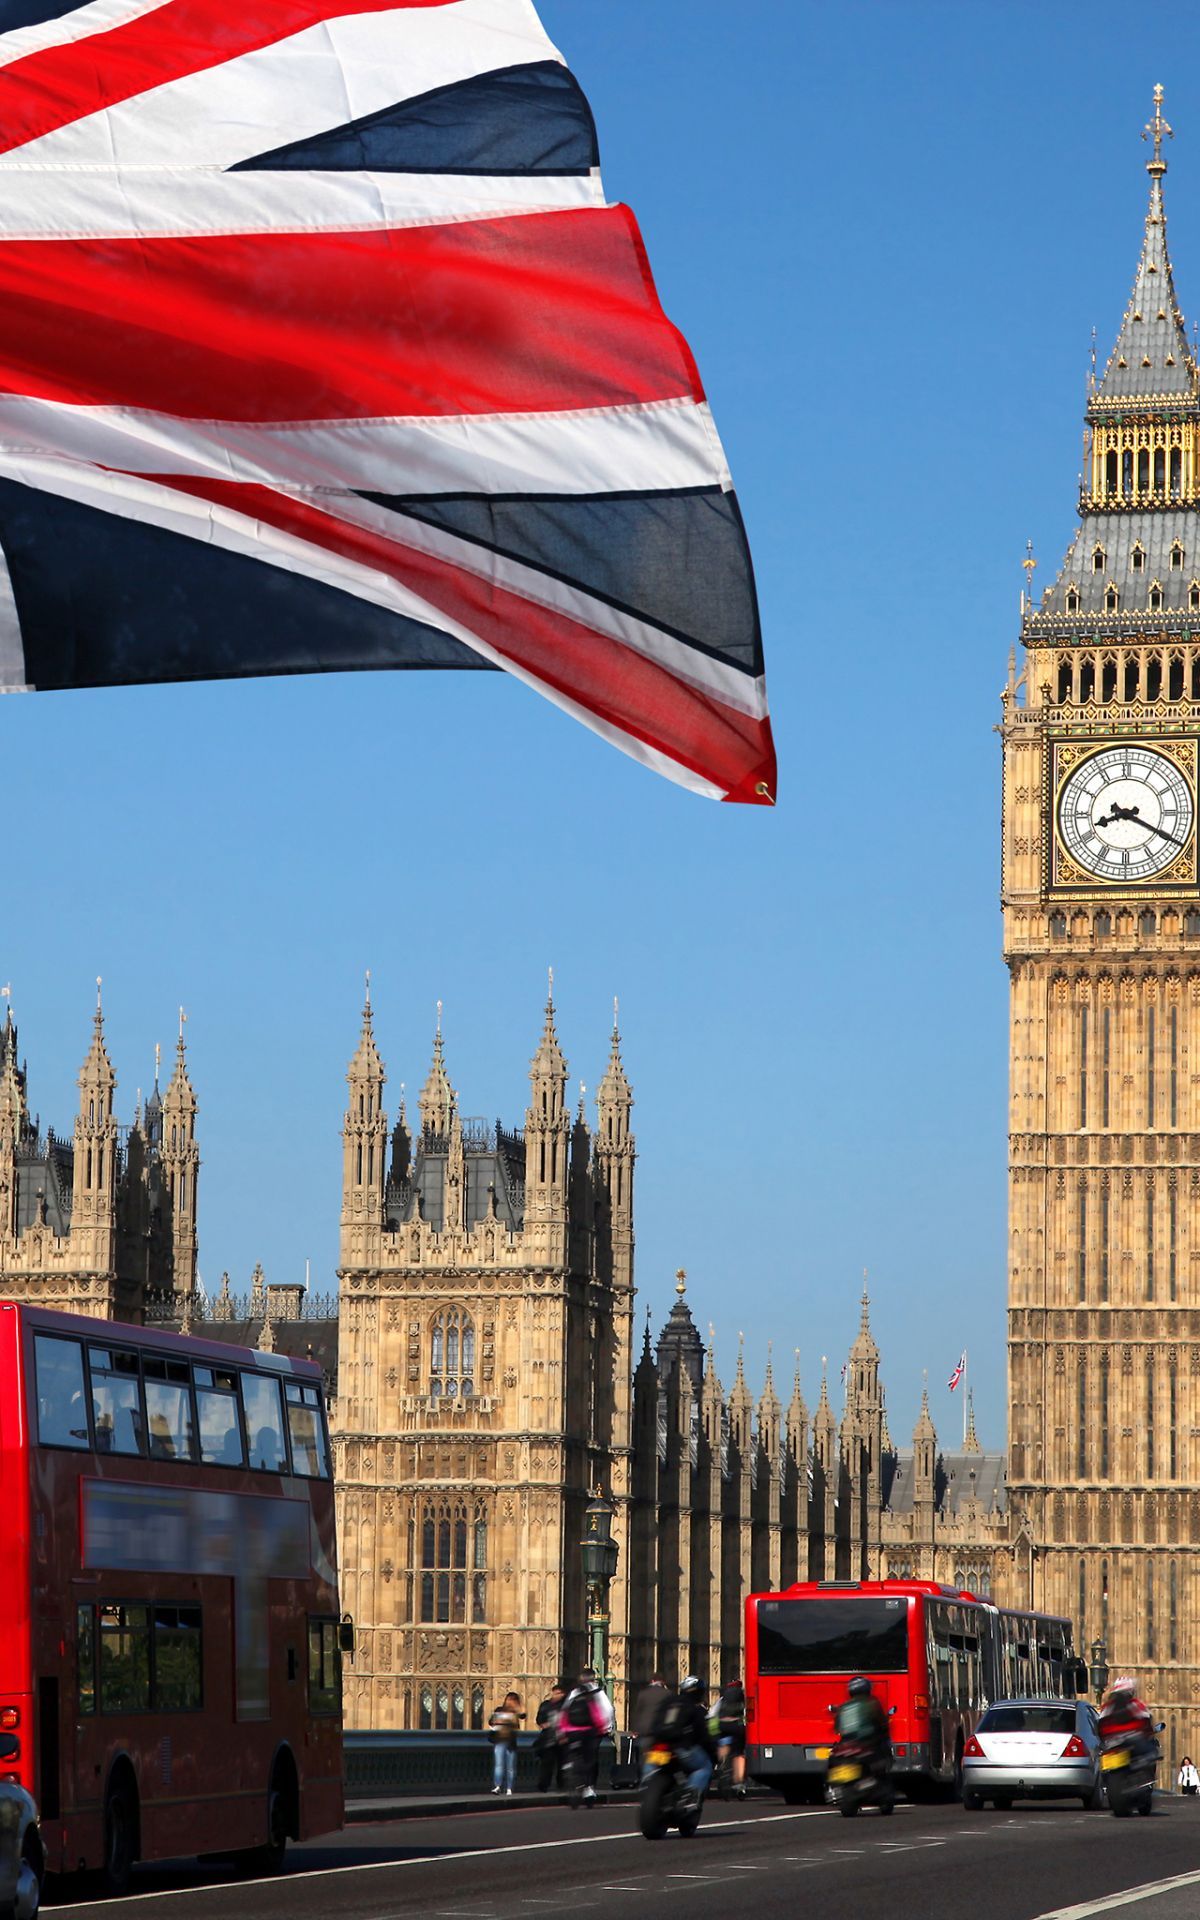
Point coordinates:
[(861, 1717), (683, 1720), (1123, 1713)]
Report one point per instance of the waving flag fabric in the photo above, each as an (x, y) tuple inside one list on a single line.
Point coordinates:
[(320, 348), (957, 1373)]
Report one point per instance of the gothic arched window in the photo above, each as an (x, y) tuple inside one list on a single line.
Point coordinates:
[(1176, 557), (1110, 600), (1137, 559), (452, 1355), (1098, 559), (444, 1569)]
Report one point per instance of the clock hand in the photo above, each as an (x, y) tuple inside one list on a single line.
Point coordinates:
[(1133, 814)]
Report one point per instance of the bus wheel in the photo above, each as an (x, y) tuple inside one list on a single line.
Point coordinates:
[(120, 1837), (269, 1857)]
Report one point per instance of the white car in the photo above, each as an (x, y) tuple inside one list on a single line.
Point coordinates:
[(1033, 1750), (22, 1861)]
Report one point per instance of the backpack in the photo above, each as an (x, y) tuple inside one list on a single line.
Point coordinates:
[(672, 1722), (582, 1712)]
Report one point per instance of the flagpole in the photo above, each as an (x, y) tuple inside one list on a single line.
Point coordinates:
[(963, 1384)]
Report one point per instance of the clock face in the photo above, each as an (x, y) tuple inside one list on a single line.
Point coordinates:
[(1126, 813)]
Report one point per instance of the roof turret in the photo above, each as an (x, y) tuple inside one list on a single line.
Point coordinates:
[(437, 1102), (679, 1343)]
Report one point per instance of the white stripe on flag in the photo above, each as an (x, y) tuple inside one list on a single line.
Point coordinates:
[(151, 505), (12, 649), (660, 445), (312, 81), (78, 24), (45, 203)]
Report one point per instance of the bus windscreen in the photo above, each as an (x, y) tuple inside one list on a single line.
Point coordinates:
[(832, 1636)]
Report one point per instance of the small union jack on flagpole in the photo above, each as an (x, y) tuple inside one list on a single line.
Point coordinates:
[(955, 1381)]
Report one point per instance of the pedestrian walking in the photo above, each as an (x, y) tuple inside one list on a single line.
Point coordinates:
[(585, 1720), (1189, 1779), (549, 1755), (504, 1725)]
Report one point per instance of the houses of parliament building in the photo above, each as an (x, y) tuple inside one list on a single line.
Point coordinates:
[(490, 1369)]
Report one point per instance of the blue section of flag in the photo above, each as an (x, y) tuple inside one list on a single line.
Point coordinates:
[(32, 13), (678, 559), (528, 119), (103, 601)]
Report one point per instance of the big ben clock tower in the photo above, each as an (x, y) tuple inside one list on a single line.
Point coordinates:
[(1102, 939)]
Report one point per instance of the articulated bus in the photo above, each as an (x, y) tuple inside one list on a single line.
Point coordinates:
[(935, 1657), (170, 1641)]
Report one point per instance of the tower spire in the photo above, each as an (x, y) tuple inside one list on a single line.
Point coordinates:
[(1155, 129)]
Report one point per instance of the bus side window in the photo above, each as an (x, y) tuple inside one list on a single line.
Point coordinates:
[(116, 1400), (178, 1666), (85, 1658), (264, 1422), (124, 1658), (324, 1669), (169, 1422), (308, 1434), (62, 1410), (217, 1412)]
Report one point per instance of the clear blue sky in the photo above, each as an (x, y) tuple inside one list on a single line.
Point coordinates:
[(887, 231)]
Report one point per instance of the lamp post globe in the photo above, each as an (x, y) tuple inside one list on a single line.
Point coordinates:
[(1099, 1667)]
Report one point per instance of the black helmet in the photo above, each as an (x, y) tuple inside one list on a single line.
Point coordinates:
[(860, 1687), (691, 1688)]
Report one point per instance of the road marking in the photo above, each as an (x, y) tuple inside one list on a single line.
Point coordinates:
[(104, 1907), (1149, 1890), (733, 1867)]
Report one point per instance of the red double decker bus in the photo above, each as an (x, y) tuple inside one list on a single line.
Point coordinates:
[(935, 1656), (170, 1642)]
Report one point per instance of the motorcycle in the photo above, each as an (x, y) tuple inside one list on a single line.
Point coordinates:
[(855, 1778), (665, 1800), (1128, 1764)]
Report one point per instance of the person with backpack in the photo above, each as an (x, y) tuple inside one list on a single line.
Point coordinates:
[(728, 1726), (584, 1721), (504, 1726)]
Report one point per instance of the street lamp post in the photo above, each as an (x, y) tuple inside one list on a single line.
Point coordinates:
[(599, 1567), (1099, 1669)]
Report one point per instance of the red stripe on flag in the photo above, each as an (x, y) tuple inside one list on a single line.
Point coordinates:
[(534, 313), (51, 88), (635, 695)]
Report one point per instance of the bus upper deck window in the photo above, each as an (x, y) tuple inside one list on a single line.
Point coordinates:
[(264, 1422), (116, 1400), (308, 1435), (62, 1409), (217, 1412), (169, 1424)]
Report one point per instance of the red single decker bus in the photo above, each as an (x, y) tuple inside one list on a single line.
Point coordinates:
[(935, 1657), (169, 1632)]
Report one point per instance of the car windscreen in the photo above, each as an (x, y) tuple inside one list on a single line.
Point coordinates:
[(1028, 1720), (832, 1636)]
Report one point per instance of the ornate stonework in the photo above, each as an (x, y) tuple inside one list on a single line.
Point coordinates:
[(1104, 1158), (103, 1221)]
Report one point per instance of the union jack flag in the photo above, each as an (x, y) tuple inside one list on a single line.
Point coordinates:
[(958, 1373), (321, 348)]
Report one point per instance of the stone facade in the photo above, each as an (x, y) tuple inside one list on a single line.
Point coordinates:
[(1102, 942), (486, 1387), (100, 1221)]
